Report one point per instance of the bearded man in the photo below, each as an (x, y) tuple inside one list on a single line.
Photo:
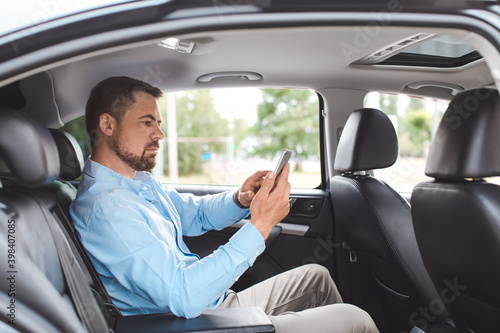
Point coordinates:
[(132, 226)]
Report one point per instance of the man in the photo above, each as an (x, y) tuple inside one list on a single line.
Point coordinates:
[(132, 228)]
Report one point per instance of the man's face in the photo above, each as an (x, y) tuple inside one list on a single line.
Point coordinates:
[(136, 140)]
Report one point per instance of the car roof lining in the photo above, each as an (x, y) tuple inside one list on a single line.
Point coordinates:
[(328, 67)]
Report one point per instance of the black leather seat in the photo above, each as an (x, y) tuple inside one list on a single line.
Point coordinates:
[(39, 286), (71, 166), (63, 191), (376, 220), (43, 302), (457, 216)]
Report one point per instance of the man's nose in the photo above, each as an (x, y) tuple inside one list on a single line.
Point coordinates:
[(158, 133)]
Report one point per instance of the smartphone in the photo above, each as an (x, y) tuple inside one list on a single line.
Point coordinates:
[(285, 156)]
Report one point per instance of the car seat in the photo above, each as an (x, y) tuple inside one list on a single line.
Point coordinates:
[(376, 220), (48, 287), (38, 286), (456, 216)]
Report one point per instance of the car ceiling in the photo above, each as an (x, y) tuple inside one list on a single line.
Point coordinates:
[(303, 57)]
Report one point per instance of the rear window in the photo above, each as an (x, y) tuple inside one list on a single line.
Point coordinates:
[(415, 121)]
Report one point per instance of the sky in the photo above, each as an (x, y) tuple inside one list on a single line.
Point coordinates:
[(22, 13), (237, 103)]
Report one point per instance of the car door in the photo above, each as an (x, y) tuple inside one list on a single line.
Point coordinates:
[(215, 155), (304, 236)]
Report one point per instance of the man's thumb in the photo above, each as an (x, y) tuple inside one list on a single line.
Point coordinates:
[(268, 182)]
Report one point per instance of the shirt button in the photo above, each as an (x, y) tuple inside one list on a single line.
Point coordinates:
[(144, 188)]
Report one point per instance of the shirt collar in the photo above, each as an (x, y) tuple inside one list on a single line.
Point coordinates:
[(105, 174)]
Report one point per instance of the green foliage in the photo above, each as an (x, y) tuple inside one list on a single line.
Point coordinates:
[(287, 119), (422, 121), (414, 124), (416, 104), (415, 132), (196, 118), (389, 104), (77, 128)]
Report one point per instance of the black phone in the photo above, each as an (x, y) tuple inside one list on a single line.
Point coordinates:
[(284, 158)]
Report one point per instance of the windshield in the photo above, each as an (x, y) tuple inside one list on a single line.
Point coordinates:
[(17, 15)]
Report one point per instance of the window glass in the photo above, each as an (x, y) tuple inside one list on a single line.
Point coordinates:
[(78, 130), (415, 121), (441, 46), (26, 14), (222, 136)]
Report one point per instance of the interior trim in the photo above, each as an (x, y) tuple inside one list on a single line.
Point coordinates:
[(286, 228)]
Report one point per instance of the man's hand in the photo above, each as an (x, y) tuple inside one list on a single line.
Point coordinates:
[(269, 208), (250, 187)]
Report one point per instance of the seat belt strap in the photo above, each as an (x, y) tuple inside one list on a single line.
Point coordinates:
[(85, 303)]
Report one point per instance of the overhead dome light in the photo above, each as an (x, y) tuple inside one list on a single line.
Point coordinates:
[(182, 46), (392, 49)]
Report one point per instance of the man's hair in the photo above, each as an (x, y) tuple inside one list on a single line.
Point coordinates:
[(114, 95)]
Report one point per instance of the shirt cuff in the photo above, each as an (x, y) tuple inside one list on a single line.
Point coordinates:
[(249, 241)]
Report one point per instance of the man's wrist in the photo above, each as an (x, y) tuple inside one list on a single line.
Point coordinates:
[(237, 200)]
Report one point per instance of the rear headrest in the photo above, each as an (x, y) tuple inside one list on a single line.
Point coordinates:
[(368, 141), (467, 141), (70, 155), (27, 149)]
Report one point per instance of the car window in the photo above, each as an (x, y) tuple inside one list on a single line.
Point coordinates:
[(415, 121), (27, 13), (221, 136)]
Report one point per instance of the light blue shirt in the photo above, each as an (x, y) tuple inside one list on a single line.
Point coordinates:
[(132, 231)]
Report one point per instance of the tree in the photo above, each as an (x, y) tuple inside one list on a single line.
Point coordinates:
[(287, 119), (196, 118), (389, 104), (415, 129), (78, 130), (420, 122)]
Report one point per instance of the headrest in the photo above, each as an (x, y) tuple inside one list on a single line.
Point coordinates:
[(368, 141), (27, 149), (70, 155), (467, 141)]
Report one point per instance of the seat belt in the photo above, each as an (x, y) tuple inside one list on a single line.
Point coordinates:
[(85, 303)]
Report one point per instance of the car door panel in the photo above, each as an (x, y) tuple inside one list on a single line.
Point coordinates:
[(304, 236)]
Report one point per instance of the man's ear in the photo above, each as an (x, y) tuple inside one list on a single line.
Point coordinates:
[(107, 124)]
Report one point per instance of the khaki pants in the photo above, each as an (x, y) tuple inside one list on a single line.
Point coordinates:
[(304, 299)]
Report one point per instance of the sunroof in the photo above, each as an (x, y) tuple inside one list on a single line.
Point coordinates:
[(441, 46), (424, 50)]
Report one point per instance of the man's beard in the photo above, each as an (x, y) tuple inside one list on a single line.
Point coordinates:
[(138, 163)]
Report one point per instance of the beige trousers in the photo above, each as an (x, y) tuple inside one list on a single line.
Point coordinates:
[(304, 299)]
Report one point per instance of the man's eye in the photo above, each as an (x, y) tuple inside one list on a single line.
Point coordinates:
[(147, 123)]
